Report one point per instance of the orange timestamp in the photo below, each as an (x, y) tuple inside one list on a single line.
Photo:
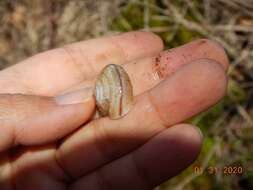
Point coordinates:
[(226, 170)]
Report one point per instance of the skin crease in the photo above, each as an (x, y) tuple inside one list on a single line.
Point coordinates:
[(169, 87)]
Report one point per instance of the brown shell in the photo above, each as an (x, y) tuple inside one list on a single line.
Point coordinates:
[(113, 92)]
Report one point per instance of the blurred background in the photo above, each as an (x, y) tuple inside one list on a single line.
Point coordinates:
[(226, 160)]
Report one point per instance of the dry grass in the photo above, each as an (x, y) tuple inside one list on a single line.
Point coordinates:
[(28, 27)]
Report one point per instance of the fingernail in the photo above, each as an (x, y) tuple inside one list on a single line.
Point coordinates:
[(75, 97)]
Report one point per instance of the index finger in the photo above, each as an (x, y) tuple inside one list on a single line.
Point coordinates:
[(53, 71)]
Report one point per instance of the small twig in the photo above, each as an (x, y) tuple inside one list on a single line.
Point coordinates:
[(162, 18), (244, 114), (245, 53), (151, 6), (244, 5), (146, 15), (160, 29), (235, 28), (194, 11), (207, 8), (52, 24)]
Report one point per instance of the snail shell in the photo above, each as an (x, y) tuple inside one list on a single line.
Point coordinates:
[(113, 92)]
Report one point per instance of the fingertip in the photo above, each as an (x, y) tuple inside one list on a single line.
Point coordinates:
[(193, 88), (151, 39), (171, 60), (185, 139), (85, 109), (212, 49), (169, 153), (140, 43), (190, 138), (214, 74)]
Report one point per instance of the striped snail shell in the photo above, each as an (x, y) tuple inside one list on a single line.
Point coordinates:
[(113, 92)]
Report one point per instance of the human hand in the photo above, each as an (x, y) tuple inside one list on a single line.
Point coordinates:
[(43, 146)]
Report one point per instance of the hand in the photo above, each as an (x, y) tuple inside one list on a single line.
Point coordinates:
[(43, 146)]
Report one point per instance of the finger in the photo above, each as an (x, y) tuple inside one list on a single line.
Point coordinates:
[(148, 72), (61, 68), (32, 167), (161, 158), (192, 89), (30, 120)]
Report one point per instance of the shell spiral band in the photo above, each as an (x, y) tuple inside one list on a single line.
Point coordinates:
[(113, 92)]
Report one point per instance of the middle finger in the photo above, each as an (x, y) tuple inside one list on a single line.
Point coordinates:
[(147, 72)]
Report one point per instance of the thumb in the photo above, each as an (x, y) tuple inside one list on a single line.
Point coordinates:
[(30, 120)]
